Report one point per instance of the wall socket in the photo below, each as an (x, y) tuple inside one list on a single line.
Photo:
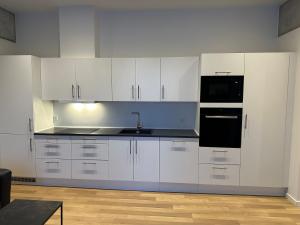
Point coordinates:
[(55, 118)]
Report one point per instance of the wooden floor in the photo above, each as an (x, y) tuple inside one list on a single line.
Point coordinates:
[(106, 207)]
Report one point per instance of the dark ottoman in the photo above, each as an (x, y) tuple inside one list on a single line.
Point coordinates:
[(5, 185)]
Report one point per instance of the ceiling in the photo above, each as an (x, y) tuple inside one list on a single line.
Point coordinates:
[(43, 5)]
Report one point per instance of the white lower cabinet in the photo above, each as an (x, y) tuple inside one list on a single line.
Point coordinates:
[(134, 159), (90, 170), (219, 155), (179, 160), (219, 174), (53, 168)]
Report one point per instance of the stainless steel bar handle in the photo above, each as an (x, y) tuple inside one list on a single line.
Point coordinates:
[(132, 91), (220, 151), (30, 145), (51, 146), (73, 89), (136, 150), (78, 92), (130, 148), (163, 92), (86, 163), (89, 146), (223, 72), (52, 162), (138, 91), (221, 117), (246, 122), (30, 125), (219, 168)]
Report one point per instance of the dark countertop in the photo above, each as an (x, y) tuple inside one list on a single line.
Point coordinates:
[(172, 133)]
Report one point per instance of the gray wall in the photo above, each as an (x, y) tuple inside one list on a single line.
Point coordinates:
[(159, 33), (118, 114)]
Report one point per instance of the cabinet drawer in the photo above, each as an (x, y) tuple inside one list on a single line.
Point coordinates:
[(89, 170), (90, 151), (219, 174), (219, 155), (53, 150), (53, 168)]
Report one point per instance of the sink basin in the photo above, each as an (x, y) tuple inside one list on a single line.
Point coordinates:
[(136, 131)]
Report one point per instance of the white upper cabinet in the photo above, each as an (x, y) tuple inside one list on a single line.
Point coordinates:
[(265, 108), (16, 95), (148, 79), (58, 79), (179, 79), (123, 79), (93, 79), (223, 64)]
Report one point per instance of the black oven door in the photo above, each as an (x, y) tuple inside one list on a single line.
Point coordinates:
[(224, 89), (220, 127)]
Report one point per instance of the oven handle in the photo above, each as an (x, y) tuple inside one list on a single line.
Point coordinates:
[(221, 117)]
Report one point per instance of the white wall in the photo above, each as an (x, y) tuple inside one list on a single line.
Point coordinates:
[(159, 33), (7, 47), (38, 33), (291, 42)]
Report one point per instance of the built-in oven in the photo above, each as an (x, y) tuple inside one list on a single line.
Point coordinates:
[(220, 127), (222, 89)]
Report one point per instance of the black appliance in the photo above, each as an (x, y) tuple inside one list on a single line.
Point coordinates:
[(223, 89), (220, 127)]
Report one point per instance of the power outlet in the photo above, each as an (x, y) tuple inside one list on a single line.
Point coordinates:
[(55, 118)]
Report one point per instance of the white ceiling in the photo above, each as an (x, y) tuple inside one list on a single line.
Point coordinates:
[(40, 5)]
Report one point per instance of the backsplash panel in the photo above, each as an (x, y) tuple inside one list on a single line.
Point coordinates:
[(118, 114)]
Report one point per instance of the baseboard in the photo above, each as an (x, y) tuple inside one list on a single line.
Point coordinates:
[(293, 200)]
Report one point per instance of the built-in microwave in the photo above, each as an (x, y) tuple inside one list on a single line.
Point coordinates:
[(222, 89)]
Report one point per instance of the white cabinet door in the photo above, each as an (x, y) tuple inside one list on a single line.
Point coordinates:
[(18, 155), (15, 95), (223, 64), (179, 161), (58, 79), (146, 159), (265, 105), (93, 78), (123, 79), (148, 79), (121, 159), (179, 79)]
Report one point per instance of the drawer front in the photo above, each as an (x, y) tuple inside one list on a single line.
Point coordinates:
[(219, 174), (53, 150), (53, 168), (90, 151), (229, 156), (90, 170)]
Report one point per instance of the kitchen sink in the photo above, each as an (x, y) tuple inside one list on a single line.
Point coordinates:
[(136, 131)]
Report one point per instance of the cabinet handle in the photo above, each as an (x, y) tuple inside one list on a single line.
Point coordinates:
[(86, 163), (219, 151), (132, 91), (136, 150), (30, 145), (52, 162), (138, 91), (73, 93), (78, 92), (224, 72), (219, 168), (163, 92), (130, 148), (51, 146), (89, 147), (221, 117), (30, 125), (246, 122)]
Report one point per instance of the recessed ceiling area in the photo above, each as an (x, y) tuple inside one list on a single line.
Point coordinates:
[(43, 5)]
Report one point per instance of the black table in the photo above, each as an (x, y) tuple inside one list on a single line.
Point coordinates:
[(29, 212)]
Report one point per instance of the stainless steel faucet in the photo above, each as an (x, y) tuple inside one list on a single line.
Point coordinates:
[(139, 124)]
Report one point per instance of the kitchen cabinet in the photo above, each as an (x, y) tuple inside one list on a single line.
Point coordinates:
[(123, 79), (179, 160), (76, 79), (18, 154), (223, 64), (179, 79), (134, 159), (20, 91), (53, 168), (58, 79), (148, 79), (265, 110), (93, 79)]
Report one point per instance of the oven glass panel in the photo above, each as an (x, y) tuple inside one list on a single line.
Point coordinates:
[(220, 127), (222, 89)]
